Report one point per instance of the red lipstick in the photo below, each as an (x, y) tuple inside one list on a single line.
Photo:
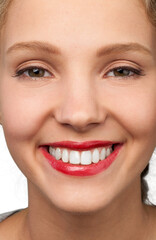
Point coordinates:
[(78, 169), (81, 145)]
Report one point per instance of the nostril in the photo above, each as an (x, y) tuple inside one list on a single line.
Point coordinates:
[(80, 115), (80, 128)]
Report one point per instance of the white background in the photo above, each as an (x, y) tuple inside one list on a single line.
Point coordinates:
[(13, 184)]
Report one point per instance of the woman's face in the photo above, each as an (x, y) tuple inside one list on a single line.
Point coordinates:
[(79, 97)]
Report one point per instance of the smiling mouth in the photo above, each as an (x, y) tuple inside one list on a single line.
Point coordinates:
[(81, 159)]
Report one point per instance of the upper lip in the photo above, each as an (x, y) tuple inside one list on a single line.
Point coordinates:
[(81, 145)]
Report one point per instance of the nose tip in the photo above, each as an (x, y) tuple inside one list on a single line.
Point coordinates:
[(80, 122), (80, 106), (80, 114)]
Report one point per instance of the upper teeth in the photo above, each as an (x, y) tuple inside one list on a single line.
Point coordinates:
[(80, 157)]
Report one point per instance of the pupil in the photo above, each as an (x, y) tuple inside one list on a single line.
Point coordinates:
[(36, 72), (121, 72)]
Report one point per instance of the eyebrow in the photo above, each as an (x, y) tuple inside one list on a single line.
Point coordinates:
[(124, 47), (54, 50), (35, 46)]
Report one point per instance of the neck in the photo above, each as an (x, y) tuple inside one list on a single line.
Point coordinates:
[(125, 218)]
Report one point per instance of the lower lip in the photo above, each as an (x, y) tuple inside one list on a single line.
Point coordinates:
[(81, 170)]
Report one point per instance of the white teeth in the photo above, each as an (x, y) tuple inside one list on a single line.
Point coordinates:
[(108, 152), (80, 157), (65, 155), (86, 158), (52, 151), (74, 157), (103, 154), (95, 156), (58, 154)]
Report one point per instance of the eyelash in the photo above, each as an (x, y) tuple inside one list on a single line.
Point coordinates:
[(21, 72), (134, 71)]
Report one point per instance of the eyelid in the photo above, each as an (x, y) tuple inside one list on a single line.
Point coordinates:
[(136, 71), (19, 72)]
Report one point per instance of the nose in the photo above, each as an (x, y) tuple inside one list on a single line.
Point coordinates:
[(80, 107)]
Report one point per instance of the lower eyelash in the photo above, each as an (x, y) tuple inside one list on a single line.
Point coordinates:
[(138, 72), (21, 71)]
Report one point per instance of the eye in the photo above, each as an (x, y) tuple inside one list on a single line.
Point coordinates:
[(123, 72), (37, 72), (33, 72)]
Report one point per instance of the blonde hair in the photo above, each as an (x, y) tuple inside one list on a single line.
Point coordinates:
[(4, 6), (150, 6)]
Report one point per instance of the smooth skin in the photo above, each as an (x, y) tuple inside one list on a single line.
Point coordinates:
[(79, 97)]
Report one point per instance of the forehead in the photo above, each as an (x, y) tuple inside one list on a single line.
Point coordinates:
[(77, 22)]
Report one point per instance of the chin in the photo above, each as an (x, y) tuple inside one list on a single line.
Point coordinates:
[(80, 208), (81, 205)]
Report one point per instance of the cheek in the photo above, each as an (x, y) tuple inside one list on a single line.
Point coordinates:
[(139, 116), (135, 110), (26, 107), (22, 117)]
